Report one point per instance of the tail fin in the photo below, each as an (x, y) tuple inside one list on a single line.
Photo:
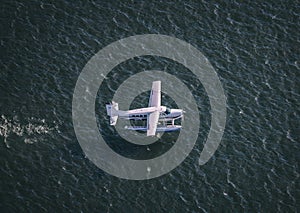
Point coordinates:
[(112, 111)]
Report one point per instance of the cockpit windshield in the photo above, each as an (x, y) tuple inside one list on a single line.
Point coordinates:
[(168, 111)]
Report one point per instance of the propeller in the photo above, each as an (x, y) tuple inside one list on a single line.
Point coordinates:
[(182, 118)]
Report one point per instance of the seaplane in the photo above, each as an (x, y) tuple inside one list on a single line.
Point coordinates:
[(159, 118)]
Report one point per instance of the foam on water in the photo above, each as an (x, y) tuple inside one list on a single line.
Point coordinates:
[(30, 129)]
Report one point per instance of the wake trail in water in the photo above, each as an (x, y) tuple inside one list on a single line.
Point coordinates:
[(30, 129)]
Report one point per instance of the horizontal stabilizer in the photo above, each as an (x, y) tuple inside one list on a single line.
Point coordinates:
[(112, 111)]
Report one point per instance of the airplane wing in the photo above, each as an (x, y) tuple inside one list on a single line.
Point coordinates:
[(154, 101), (155, 95), (152, 123)]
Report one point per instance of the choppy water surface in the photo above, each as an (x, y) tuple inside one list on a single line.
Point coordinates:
[(254, 48)]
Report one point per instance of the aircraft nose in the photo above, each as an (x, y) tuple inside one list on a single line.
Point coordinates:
[(180, 112)]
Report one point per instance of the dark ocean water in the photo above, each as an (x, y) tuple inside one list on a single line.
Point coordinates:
[(253, 46)]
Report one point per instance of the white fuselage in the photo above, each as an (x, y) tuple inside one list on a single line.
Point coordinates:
[(142, 113)]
